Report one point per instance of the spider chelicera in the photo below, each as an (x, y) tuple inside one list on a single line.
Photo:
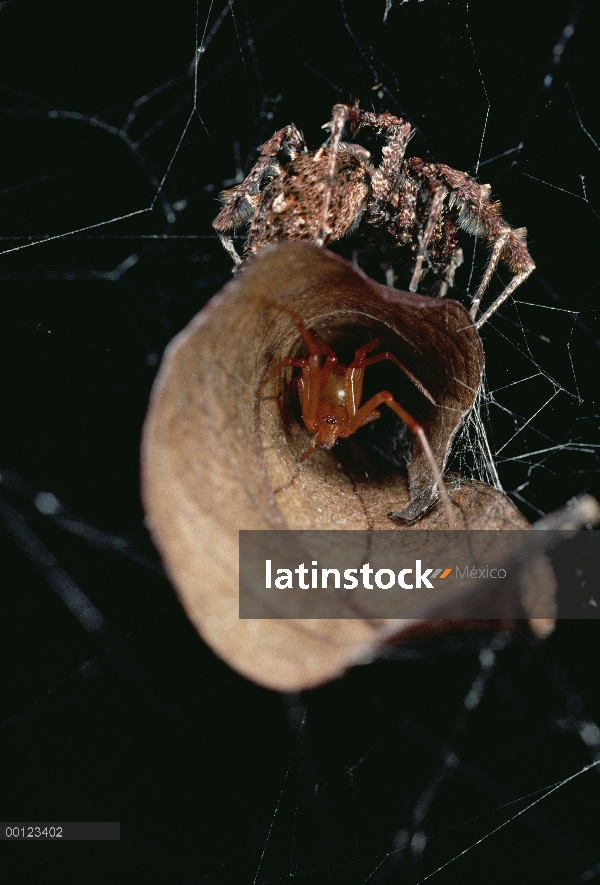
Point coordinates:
[(292, 193)]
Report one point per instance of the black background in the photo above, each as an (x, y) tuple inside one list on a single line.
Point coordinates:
[(142, 724)]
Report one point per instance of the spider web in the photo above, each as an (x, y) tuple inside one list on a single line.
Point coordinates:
[(120, 127)]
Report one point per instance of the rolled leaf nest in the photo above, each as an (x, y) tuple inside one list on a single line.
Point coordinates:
[(222, 449)]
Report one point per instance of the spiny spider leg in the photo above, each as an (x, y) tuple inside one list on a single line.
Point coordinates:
[(435, 207), (384, 179), (492, 265), (479, 215), (338, 121), (514, 283)]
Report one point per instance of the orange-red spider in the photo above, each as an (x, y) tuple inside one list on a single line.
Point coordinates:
[(330, 397)]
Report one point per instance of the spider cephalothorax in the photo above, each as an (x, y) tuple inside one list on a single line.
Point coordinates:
[(292, 193)]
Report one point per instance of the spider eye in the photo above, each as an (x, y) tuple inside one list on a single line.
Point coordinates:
[(330, 420)]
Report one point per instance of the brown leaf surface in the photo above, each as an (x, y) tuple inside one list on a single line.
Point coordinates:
[(221, 454)]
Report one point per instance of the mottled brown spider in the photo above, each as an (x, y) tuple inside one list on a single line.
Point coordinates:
[(292, 193)]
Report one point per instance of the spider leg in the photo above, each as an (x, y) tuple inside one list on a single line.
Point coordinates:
[(310, 449), (363, 416), (384, 179), (314, 344), (455, 260), (514, 283), (361, 352), (240, 201), (286, 361), (510, 247), (499, 245), (338, 121), (227, 244), (479, 215), (309, 386), (370, 361), (435, 207), (314, 375)]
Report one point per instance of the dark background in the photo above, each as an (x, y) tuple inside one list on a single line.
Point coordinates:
[(212, 778)]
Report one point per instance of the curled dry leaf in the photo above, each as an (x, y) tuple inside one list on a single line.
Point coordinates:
[(221, 453)]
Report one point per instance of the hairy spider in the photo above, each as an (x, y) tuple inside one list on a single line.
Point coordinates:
[(292, 193)]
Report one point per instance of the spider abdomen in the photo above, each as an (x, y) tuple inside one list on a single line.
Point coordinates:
[(287, 207)]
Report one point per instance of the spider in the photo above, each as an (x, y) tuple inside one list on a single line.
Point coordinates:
[(330, 397), (292, 193)]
